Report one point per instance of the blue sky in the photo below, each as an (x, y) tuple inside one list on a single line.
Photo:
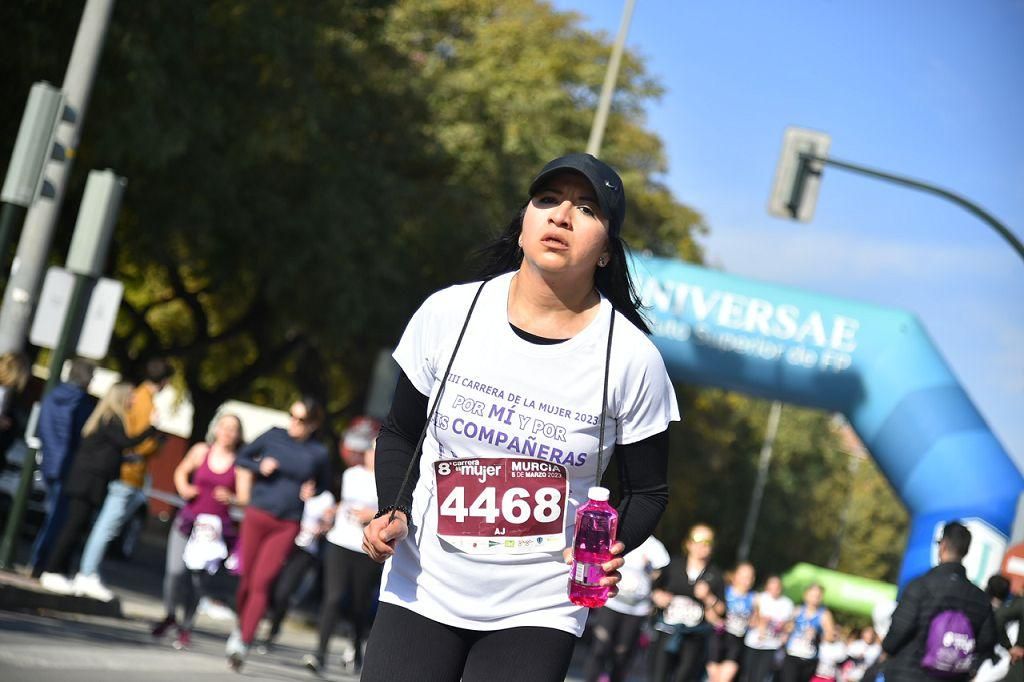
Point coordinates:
[(931, 89)]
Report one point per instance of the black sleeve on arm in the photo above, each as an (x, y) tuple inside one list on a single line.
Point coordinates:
[(643, 473), (396, 444)]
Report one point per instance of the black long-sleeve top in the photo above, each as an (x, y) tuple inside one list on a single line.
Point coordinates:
[(642, 466), (99, 457)]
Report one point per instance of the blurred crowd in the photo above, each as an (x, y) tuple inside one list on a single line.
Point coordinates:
[(269, 512)]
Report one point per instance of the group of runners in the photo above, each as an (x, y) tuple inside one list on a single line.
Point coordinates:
[(693, 621)]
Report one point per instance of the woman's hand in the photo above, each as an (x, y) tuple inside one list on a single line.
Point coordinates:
[(611, 568), (188, 491), (268, 465), (222, 494), (381, 535), (307, 490), (701, 590)]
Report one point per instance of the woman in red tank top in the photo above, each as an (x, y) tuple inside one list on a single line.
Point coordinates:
[(205, 478)]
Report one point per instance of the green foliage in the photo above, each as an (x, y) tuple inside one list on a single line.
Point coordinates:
[(811, 484), (302, 175)]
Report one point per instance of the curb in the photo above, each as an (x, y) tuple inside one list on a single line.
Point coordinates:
[(18, 593)]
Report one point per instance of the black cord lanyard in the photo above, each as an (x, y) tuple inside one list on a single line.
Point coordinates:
[(444, 382)]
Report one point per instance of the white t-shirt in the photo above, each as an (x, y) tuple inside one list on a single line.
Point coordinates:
[(507, 397), (830, 655), (313, 512), (358, 492), (773, 614), (634, 598)]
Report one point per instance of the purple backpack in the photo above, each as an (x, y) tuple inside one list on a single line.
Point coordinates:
[(949, 649)]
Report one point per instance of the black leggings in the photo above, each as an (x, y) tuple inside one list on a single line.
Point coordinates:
[(75, 530), (684, 665), (798, 669), (406, 647), (347, 572), (614, 642), (758, 665)]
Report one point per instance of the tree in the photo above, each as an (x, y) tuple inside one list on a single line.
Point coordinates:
[(302, 175)]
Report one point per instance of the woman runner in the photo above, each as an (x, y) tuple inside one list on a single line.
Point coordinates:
[(475, 588)]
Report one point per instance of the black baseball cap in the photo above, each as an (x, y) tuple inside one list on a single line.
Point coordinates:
[(607, 184)]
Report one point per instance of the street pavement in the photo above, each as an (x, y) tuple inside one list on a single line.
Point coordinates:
[(61, 640)]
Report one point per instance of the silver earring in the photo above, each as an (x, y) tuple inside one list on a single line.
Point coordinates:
[(601, 261), (520, 242)]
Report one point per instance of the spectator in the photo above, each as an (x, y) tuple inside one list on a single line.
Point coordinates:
[(942, 589), (997, 667), (772, 612), (62, 415), (125, 495), (617, 627), (14, 374), (95, 465), (281, 461), (205, 478), (1011, 614)]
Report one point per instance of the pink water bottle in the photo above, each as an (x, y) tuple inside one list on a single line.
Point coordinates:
[(596, 525)]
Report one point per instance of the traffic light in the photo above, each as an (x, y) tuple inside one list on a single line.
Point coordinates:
[(34, 144), (798, 174)]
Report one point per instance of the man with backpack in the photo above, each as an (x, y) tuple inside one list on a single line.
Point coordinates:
[(943, 627)]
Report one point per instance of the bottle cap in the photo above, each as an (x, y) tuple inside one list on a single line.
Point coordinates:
[(598, 493)]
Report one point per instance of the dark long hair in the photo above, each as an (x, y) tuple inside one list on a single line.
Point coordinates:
[(613, 280)]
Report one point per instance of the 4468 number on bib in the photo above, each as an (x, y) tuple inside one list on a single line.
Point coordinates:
[(501, 505)]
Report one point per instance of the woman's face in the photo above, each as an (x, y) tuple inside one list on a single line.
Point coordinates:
[(700, 543), (812, 597), (773, 587), (227, 432), (743, 579), (299, 425), (564, 231)]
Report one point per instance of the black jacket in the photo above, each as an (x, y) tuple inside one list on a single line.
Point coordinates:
[(942, 588), (98, 460)]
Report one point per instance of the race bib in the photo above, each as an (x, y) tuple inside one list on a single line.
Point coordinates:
[(736, 623), (683, 611), (501, 505), (802, 648)]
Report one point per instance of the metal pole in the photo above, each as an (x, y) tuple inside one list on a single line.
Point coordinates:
[(978, 211), (65, 345), (29, 264), (743, 553), (844, 515), (610, 76), (11, 216)]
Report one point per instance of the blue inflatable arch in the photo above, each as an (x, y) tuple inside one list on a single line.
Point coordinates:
[(875, 365)]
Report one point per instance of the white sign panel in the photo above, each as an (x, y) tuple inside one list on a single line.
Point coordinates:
[(100, 317), (98, 325), (53, 306)]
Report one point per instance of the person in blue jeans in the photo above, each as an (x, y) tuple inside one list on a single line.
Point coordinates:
[(125, 495), (62, 415)]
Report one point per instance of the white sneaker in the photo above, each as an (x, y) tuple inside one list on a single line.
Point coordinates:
[(55, 582), (92, 586)]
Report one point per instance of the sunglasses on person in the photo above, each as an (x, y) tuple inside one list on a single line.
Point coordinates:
[(301, 420), (702, 540)]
